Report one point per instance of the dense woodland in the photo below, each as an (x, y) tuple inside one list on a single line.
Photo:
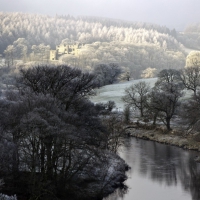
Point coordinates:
[(52, 136), (135, 47), (37, 29)]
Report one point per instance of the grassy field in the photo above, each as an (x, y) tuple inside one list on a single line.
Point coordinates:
[(115, 92)]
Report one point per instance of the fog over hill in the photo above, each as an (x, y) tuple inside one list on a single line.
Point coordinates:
[(173, 14)]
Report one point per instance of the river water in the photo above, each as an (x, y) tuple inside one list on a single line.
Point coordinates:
[(159, 172)]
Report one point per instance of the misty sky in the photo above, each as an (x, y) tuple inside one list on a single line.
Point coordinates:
[(172, 13)]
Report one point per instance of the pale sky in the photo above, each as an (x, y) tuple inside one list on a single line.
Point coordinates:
[(172, 13)]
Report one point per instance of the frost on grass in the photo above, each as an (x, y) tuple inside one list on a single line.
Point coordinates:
[(6, 197), (115, 92)]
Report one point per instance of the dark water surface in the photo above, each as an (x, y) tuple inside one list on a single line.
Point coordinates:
[(159, 172)]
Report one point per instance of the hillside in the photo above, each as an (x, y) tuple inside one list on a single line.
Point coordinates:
[(134, 46), (51, 31)]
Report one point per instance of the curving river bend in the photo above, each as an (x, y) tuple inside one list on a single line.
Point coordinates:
[(159, 172)]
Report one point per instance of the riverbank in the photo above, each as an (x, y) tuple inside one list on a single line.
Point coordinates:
[(159, 134)]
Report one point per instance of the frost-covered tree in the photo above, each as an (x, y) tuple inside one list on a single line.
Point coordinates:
[(21, 48), (134, 45), (40, 52), (9, 55), (148, 73), (168, 76), (193, 59), (38, 29), (115, 72), (107, 74)]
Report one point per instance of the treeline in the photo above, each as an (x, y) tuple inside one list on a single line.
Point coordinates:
[(166, 100), (53, 142), (37, 29), (122, 23), (132, 58)]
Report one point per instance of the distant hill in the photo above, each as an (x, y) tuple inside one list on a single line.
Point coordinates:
[(135, 46), (37, 29)]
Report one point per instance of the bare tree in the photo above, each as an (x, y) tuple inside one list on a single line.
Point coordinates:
[(107, 74), (127, 114), (115, 134), (56, 132), (62, 82), (115, 72), (190, 78), (168, 76), (190, 112), (164, 102), (136, 96)]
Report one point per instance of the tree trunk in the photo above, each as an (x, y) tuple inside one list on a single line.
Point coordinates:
[(168, 123), (141, 112), (155, 118)]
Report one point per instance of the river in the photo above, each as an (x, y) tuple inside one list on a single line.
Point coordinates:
[(159, 172)]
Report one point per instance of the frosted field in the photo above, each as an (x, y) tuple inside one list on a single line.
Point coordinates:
[(115, 92)]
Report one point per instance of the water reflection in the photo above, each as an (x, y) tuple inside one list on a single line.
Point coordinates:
[(159, 172)]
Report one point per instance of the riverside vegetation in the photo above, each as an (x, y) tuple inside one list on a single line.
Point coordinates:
[(55, 143)]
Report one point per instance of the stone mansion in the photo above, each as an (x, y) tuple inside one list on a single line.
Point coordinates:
[(65, 49)]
